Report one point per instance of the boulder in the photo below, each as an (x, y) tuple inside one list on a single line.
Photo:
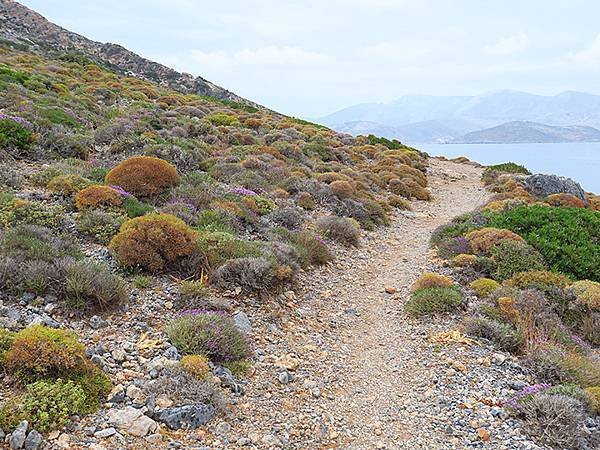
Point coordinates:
[(187, 416), (542, 185), (33, 440), (132, 421), (17, 437)]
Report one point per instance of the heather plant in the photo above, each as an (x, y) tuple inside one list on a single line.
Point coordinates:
[(450, 247), (212, 334)]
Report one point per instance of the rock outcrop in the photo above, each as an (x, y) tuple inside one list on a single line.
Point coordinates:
[(542, 185)]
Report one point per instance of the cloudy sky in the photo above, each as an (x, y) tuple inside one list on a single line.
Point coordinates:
[(312, 57)]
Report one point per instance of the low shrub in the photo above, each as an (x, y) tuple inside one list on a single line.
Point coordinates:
[(341, 188), (135, 208), (594, 395), (251, 274), (154, 242), (68, 184), (212, 334), (484, 287), (509, 167), (219, 247), (193, 289), (47, 406), (306, 201), (143, 176), (196, 365), (429, 280), (504, 336), (566, 200), (290, 218), (339, 229), (99, 225), (587, 293), (239, 368), (434, 300), (6, 339), (511, 257), (464, 260), (450, 247), (98, 196), (567, 238), (311, 249), (395, 201), (15, 135), (15, 211), (483, 240), (542, 280)]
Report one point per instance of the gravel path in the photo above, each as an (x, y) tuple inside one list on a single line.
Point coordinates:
[(342, 366)]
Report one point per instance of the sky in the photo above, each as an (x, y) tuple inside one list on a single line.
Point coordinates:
[(309, 58)]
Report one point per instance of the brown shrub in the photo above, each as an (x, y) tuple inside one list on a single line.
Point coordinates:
[(143, 175), (430, 280), (97, 196), (564, 199), (153, 242), (483, 240), (341, 188)]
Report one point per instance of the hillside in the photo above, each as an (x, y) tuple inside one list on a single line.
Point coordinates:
[(25, 29), (530, 132), (431, 118)]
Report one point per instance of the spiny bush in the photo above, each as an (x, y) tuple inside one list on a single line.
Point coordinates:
[(15, 211), (434, 300), (47, 406), (453, 246), (99, 225), (98, 196), (566, 200), (196, 365), (251, 274), (342, 188), (483, 287), (143, 176), (6, 340), (212, 334), (306, 201), (311, 249), (538, 279), (395, 201), (68, 184), (567, 238), (154, 242), (192, 289), (502, 334), (594, 395), (484, 239), (430, 279), (339, 229), (509, 167), (511, 257), (218, 247)]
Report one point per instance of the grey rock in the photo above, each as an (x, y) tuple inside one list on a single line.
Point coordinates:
[(285, 377), (242, 322), (227, 379), (17, 437), (107, 432), (172, 353), (187, 416), (543, 185), (97, 322), (33, 440)]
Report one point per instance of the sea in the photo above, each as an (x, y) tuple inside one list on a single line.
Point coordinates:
[(579, 161)]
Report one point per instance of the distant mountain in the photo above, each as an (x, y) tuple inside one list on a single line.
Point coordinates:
[(423, 118), (25, 29), (530, 132)]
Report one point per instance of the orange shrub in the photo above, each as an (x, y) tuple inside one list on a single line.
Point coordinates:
[(483, 240), (330, 177), (97, 196), (143, 175), (429, 280), (563, 199), (153, 242), (341, 188), (196, 365)]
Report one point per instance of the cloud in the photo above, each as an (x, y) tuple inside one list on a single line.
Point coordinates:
[(589, 56), (509, 45), (263, 56)]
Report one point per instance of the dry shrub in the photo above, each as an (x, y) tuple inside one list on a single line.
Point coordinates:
[(483, 287), (429, 280), (330, 177), (564, 199), (251, 274), (395, 201), (341, 188), (143, 175), (484, 239), (464, 260), (587, 293), (97, 196), (339, 229), (538, 279), (154, 242), (196, 365), (68, 184)]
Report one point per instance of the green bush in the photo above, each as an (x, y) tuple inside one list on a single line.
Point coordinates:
[(14, 134), (509, 167), (434, 300), (218, 247), (511, 257), (6, 339), (567, 238)]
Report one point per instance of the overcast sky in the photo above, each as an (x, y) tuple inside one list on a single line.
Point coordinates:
[(311, 57)]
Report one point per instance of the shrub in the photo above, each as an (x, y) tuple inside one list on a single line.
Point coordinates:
[(464, 260), (434, 300), (193, 289), (154, 242), (509, 167), (40, 352), (222, 119), (339, 229), (449, 230), (6, 339), (398, 202), (451, 247), (430, 280), (594, 395), (251, 274), (212, 334), (100, 225), (68, 184), (563, 199), (501, 334), (143, 175), (568, 238), (580, 369), (97, 196), (196, 365), (134, 208), (14, 211), (311, 249), (511, 257), (587, 293), (239, 368), (538, 279), (484, 287), (47, 406), (342, 188), (484, 239), (15, 135), (218, 247), (30, 242), (290, 218)]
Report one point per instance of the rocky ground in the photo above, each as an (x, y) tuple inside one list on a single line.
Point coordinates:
[(338, 363)]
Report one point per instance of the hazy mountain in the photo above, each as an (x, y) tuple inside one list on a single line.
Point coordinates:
[(26, 29), (430, 118), (528, 132)]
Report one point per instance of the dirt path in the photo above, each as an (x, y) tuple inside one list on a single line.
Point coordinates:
[(366, 376)]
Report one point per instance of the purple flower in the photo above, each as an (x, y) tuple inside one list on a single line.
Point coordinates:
[(16, 119), (121, 191), (242, 191), (524, 394)]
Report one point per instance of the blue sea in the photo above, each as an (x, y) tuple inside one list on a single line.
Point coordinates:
[(579, 161)]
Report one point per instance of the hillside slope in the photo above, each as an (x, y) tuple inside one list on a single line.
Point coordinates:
[(26, 29), (530, 132)]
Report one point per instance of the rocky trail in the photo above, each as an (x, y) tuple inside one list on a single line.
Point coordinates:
[(349, 369)]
